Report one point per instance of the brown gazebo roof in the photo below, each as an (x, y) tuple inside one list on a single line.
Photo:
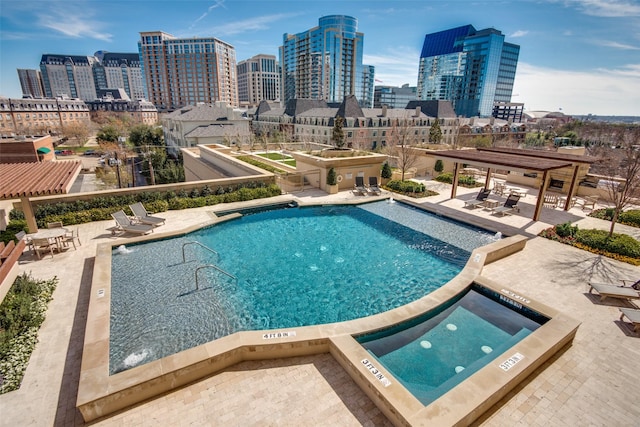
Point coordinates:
[(542, 154), (506, 159), (19, 180)]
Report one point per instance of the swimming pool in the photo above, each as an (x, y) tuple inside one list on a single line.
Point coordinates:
[(284, 268), (433, 353)]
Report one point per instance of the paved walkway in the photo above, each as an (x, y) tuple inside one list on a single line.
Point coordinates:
[(590, 383)]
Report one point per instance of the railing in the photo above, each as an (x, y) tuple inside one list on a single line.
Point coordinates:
[(215, 268), (199, 244)]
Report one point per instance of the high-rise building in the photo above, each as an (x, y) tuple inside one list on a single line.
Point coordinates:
[(83, 76), (179, 72), (68, 75), (258, 80), (31, 82), (119, 71), (393, 96), (472, 69), (325, 63)]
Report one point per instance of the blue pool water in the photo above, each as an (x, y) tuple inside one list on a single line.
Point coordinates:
[(286, 268), (433, 355)]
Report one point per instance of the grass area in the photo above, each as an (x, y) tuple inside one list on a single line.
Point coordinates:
[(279, 157)]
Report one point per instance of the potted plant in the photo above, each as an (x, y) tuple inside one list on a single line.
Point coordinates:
[(386, 173), (332, 181)]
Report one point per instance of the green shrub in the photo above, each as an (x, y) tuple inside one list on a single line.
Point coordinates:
[(566, 230), (406, 186), (14, 226), (630, 217), (386, 173), (332, 177), (21, 313), (618, 243), (464, 180), (439, 166)]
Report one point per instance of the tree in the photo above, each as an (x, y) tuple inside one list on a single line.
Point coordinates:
[(108, 134), (386, 173), (435, 133), (439, 166), (401, 143), (144, 135), (78, 131), (622, 162), (338, 132)]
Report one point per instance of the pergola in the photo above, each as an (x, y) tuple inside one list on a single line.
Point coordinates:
[(517, 160), (25, 180)]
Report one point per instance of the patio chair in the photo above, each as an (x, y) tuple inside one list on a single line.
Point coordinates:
[(499, 188), (479, 200), (359, 187), (550, 201), (589, 202), (40, 245), (141, 214), (633, 314), (373, 185), (510, 205), (613, 291), (124, 223), (55, 224), (70, 237)]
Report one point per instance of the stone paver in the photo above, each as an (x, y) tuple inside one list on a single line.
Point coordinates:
[(589, 383)]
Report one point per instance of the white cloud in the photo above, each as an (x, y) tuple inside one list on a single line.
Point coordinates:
[(251, 24), (600, 91), (73, 20), (608, 8), (617, 45), (217, 4), (519, 33), (397, 67)]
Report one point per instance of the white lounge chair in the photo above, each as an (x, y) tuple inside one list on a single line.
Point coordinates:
[(124, 223), (510, 205), (359, 187), (479, 200), (141, 214), (373, 185), (612, 291)]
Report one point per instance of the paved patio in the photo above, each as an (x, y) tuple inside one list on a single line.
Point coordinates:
[(590, 383)]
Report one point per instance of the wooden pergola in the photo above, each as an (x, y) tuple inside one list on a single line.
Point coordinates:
[(25, 180), (517, 160)]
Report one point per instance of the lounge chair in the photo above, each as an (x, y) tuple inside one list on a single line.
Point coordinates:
[(373, 185), (510, 205), (633, 314), (359, 187), (612, 291), (479, 200), (141, 214), (124, 223)]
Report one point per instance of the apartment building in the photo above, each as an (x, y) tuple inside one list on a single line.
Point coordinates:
[(30, 116), (180, 72), (31, 82), (116, 102), (472, 69), (120, 71), (258, 80), (325, 63), (394, 96)]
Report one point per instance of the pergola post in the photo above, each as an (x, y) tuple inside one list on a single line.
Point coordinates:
[(540, 201), (572, 188), (27, 209), (456, 173), (487, 179)]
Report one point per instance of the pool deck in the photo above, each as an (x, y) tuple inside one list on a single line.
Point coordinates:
[(600, 370)]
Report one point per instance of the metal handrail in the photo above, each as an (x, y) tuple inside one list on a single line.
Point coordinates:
[(200, 244), (215, 267)]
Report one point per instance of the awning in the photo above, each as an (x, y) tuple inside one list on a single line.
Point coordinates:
[(44, 150)]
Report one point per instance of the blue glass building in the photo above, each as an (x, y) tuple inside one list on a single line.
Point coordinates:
[(325, 63), (472, 69)]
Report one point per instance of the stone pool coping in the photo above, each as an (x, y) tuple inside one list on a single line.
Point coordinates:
[(100, 394)]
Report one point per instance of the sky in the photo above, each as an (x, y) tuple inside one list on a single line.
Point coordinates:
[(576, 56)]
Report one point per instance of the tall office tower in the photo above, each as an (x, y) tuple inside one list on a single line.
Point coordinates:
[(119, 71), (31, 82), (393, 96), (258, 80), (68, 75), (179, 72), (325, 62), (472, 69)]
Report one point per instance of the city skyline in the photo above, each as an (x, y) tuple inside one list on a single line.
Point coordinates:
[(580, 57)]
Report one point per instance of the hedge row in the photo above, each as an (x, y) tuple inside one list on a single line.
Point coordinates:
[(630, 217), (463, 180), (101, 208)]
